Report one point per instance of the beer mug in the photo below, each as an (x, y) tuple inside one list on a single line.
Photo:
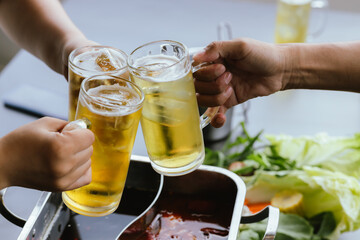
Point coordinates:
[(111, 106), (89, 61), (292, 20), (170, 119)]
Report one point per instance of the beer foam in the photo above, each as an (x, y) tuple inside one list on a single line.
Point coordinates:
[(88, 60), (296, 2), (157, 68), (121, 100)]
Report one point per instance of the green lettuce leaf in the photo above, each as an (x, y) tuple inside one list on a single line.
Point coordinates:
[(323, 191), (291, 227), (339, 154)]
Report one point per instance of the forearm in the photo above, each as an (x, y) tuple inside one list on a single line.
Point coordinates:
[(3, 167), (42, 27), (323, 66)]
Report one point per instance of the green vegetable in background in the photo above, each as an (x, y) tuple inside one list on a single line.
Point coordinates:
[(323, 191), (341, 154), (243, 149), (324, 169), (291, 227)]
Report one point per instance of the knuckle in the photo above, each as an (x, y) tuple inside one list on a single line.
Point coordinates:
[(61, 185), (213, 45), (60, 170), (219, 99), (45, 119), (91, 151), (86, 181), (59, 148), (218, 85)]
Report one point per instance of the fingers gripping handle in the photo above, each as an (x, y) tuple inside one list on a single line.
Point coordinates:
[(208, 115), (210, 112), (77, 124), (4, 211)]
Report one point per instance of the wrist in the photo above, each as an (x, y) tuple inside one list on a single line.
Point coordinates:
[(291, 71), (68, 44)]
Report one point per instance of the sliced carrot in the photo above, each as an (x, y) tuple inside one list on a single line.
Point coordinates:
[(257, 207)]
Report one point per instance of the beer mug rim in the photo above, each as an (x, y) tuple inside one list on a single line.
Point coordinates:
[(136, 106), (186, 54), (78, 50)]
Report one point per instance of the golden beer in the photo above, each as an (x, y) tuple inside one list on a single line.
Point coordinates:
[(89, 61), (113, 109), (292, 21), (170, 118)]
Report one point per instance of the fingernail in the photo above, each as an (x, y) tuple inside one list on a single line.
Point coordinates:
[(228, 78), (219, 120), (229, 91)]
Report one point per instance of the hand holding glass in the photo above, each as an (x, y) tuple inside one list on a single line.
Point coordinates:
[(112, 107), (170, 120)]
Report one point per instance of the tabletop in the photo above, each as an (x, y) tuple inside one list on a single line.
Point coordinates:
[(128, 24)]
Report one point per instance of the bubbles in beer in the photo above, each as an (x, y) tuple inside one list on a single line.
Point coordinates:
[(103, 60), (113, 99), (105, 63), (160, 68)]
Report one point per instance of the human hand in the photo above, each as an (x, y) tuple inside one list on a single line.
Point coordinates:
[(68, 46), (242, 69), (39, 156)]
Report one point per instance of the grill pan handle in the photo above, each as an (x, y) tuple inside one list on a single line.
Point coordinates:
[(11, 217), (269, 212)]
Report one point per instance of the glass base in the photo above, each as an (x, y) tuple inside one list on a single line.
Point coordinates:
[(173, 172), (89, 211)]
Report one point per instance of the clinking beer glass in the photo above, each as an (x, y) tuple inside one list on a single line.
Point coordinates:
[(111, 106), (170, 119), (293, 17), (89, 61)]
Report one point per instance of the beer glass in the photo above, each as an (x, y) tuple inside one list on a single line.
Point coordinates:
[(111, 106), (293, 17), (170, 119), (92, 60)]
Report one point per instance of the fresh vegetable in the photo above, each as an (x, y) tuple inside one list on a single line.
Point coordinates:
[(323, 191), (339, 154), (289, 202), (291, 227), (246, 149), (324, 170), (256, 207)]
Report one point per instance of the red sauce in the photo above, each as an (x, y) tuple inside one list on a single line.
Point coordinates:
[(185, 218), (167, 225)]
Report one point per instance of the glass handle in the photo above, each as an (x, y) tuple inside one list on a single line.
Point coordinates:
[(83, 123), (224, 31), (208, 115), (210, 112), (322, 6)]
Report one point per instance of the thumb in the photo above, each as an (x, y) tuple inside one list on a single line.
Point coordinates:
[(208, 54), (236, 49)]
